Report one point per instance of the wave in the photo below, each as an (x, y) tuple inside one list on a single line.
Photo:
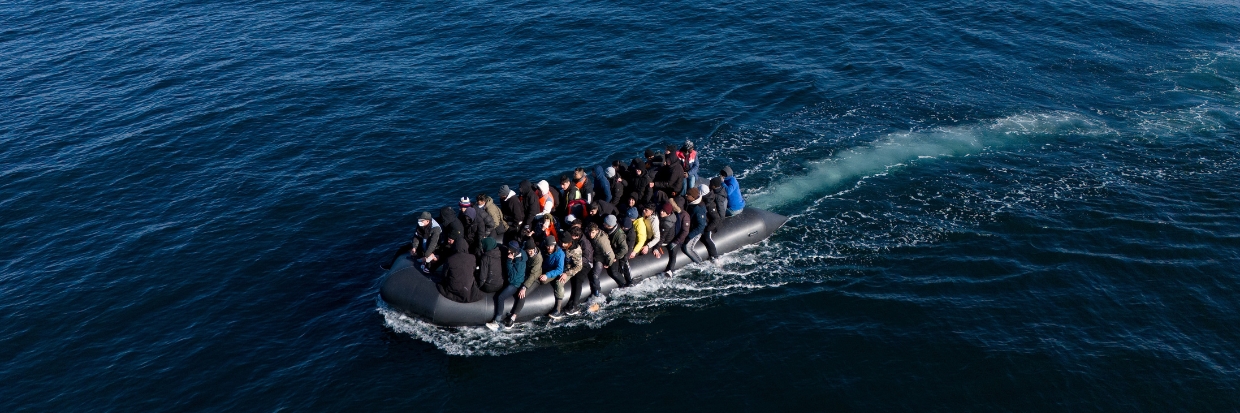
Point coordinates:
[(898, 148)]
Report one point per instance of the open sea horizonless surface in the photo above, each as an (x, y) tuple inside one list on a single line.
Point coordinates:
[(995, 205)]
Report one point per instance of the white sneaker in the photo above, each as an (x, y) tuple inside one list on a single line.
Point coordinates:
[(493, 325)]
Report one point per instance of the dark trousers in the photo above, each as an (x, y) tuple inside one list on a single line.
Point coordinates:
[(709, 241), (520, 303), (575, 285), (671, 256), (595, 288), (620, 272)]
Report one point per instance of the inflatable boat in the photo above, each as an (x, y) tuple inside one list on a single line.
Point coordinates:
[(407, 290)]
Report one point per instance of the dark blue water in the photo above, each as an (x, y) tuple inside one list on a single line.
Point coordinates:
[(1019, 205)]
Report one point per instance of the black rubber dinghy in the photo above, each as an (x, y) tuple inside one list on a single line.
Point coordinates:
[(408, 291)]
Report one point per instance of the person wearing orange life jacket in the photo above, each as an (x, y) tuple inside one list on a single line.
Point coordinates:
[(546, 199), (583, 184)]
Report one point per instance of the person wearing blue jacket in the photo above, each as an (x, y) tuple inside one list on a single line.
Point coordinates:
[(553, 267), (514, 269), (602, 185), (736, 203)]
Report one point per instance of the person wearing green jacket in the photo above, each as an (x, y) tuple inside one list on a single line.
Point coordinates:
[(620, 247), (603, 258)]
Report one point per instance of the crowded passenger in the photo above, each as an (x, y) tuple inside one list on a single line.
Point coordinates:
[(736, 202), (490, 273), (514, 271), (619, 270), (457, 282), (604, 256), (498, 225), (512, 209)]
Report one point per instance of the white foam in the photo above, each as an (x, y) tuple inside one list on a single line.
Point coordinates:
[(896, 149)]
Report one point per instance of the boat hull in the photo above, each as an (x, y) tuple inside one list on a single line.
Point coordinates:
[(410, 292)]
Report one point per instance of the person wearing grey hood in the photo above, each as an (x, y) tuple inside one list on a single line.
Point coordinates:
[(425, 240)]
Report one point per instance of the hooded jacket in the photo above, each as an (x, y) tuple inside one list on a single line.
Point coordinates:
[(475, 225), (671, 179), (733, 188), (619, 243), (602, 186), (426, 239), (515, 267), (458, 283), (498, 226), (682, 227), (698, 225), (529, 197), (513, 210), (490, 275), (667, 230), (714, 215), (452, 227), (544, 199)]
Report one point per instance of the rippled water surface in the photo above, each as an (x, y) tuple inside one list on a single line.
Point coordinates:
[(1019, 205)]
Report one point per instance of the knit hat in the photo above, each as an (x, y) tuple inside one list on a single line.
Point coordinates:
[(688, 145), (727, 171), (667, 208), (513, 245), (649, 153), (548, 242), (611, 172), (610, 221), (693, 195), (503, 191), (464, 201), (488, 244), (632, 214), (703, 189), (529, 244), (716, 182), (425, 216)]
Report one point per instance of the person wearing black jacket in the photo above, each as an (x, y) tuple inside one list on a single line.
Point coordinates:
[(458, 283), (452, 230), (681, 233), (474, 223), (529, 198), (639, 183), (425, 240), (490, 274), (714, 217), (512, 208), (671, 179)]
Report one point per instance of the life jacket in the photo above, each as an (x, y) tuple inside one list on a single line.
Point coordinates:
[(579, 208), (550, 231), (543, 197), (687, 159)]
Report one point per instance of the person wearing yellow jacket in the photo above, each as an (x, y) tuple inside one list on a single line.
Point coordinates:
[(641, 228)]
